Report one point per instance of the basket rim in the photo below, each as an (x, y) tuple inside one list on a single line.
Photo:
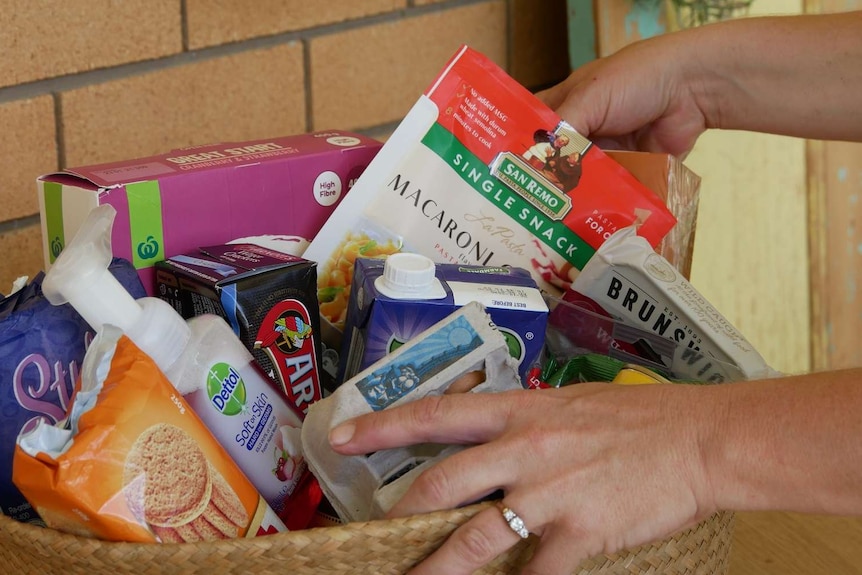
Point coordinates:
[(34, 532), (391, 546)]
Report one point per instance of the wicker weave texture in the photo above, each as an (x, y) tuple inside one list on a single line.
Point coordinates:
[(380, 547)]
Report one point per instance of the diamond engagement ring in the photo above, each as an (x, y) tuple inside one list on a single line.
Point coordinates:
[(516, 524)]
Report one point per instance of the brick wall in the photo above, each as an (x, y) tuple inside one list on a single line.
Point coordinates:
[(100, 80)]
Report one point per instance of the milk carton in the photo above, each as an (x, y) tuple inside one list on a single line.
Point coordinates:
[(397, 298)]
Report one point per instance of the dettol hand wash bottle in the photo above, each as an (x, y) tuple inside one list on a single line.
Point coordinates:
[(202, 358)]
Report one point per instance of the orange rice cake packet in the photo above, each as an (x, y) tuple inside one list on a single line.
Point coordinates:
[(132, 461)]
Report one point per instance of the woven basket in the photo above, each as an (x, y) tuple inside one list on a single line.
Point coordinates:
[(379, 547)]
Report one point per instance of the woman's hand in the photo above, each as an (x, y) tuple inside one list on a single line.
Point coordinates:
[(590, 468), (640, 98), (766, 74)]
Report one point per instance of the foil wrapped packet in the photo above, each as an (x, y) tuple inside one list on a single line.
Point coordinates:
[(463, 348)]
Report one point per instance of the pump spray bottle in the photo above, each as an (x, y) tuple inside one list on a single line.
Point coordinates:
[(202, 358)]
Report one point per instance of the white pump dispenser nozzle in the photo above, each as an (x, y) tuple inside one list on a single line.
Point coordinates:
[(80, 276)]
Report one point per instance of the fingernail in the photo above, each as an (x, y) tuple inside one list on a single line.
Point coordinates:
[(341, 434)]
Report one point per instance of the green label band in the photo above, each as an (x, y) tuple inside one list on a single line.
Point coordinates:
[(56, 238), (145, 223)]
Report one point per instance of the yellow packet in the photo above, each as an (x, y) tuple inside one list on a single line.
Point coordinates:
[(132, 461), (637, 375)]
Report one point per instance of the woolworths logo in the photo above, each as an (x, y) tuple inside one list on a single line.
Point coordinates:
[(226, 389), (530, 185), (148, 249)]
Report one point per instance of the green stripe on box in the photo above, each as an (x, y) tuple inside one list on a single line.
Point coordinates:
[(56, 238), (145, 223), (554, 234)]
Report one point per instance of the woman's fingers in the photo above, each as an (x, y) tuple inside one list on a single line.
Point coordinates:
[(554, 96), (571, 462), (461, 478), (632, 100), (473, 545), (458, 418), (558, 553), (494, 531)]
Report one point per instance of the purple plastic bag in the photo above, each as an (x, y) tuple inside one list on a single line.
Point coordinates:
[(41, 349)]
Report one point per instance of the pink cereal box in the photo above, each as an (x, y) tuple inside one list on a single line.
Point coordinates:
[(206, 195)]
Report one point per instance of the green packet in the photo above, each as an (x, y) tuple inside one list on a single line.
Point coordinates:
[(582, 368)]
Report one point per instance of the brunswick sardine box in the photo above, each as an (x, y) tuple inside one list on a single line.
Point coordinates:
[(269, 298), (206, 195)]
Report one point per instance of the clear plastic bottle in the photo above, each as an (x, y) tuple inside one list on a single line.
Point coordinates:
[(202, 358)]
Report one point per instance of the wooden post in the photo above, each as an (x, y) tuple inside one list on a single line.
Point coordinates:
[(582, 32), (621, 22), (835, 240)]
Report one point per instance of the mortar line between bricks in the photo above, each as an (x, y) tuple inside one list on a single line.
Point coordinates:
[(184, 24), (306, 85), (59, 138), (18, 224), (380, 129), (83, 79), (509, 32)]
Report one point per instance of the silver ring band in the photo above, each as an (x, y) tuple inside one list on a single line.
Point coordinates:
[(515, 523)]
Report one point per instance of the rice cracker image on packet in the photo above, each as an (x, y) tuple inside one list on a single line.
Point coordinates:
[(132, 461), (481, 172)]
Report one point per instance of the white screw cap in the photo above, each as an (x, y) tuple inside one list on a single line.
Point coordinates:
[(409, 276)]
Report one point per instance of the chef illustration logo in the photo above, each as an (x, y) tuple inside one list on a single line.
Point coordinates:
[(289, 331), (287, 338)]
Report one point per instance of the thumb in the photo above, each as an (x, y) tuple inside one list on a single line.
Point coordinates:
[(579, 99)]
